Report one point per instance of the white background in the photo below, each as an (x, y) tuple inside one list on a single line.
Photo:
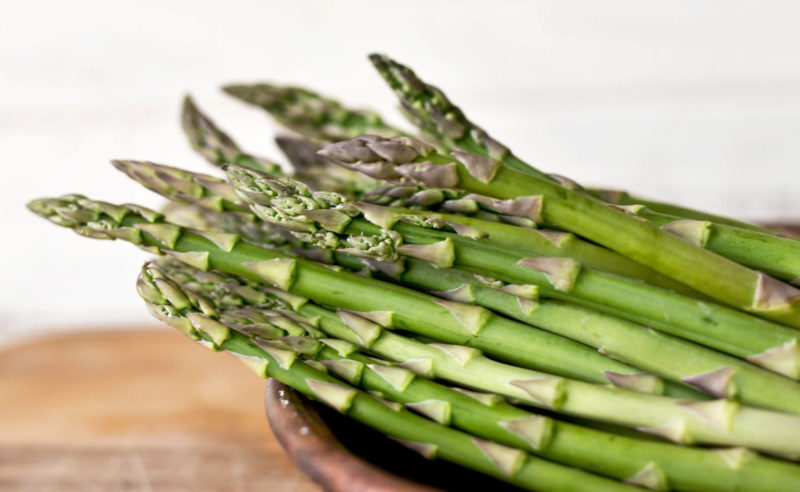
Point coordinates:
[(695, 102)]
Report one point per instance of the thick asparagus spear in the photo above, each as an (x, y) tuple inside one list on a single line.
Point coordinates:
[(714, 422), (627, 234), (310, 114), (423, 314), (331, 222), (432, 111), (214, 144), (645, 463), (777, 256), (433, 440)]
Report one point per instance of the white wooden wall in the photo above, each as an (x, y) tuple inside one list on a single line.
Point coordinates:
[(692, 101)]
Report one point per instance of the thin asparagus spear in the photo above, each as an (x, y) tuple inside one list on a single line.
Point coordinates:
[(209, 192), (713, 422), (645, 463), (249, 227), (433, 440), (310, 114), (432, 111), (771, 254), (423, 314), (627, 234), (214, 144), (330, 221), (618, 197)]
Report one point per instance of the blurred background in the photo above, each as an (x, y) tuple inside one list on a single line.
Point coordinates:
[(686, 101)]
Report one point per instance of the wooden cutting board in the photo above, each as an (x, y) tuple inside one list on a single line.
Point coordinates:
[(135, 410)]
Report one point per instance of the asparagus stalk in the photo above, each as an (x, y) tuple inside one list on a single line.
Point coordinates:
[(776, 256), (214, 144), (545, 242), (648, 464), (432, 111), (627, 234), (618, 197), (714, 422), (310, 114), (425, 315), (419, 433), (331, 222)]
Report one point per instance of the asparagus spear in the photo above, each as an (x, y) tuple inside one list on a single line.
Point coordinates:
[(331, 222), (423, 314), (249, 227), (218, 148), (771, 254), (774, 255), (644, 463), (629, 235), (310, 114), (431, 439), (618, 197), (209, 192), (214, 144), (433, 112), (714, 422)]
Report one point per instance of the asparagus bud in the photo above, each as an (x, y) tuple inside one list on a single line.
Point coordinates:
[(309, 114), (214, 144)]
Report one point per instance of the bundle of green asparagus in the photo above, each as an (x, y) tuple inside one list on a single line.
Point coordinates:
[(440, 289)]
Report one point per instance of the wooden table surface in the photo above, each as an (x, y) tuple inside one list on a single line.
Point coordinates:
[(135, 410)]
